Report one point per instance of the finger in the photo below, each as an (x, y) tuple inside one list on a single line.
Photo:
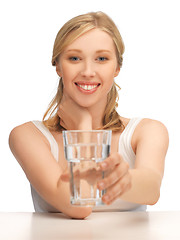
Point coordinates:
[(111, 200), (60, 114), (66, 99), (118, 189), (59, 111), (111, 161), (116, 174), (62, 124), (62, 103), (65, 177), (63, 98)]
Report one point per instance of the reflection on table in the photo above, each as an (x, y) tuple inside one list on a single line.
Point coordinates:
[(100, 225)]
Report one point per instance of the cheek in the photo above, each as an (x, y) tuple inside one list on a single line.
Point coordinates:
[(68, 72), (110, 86), (108, 79), (110, 70), (107, 85), (108, 76)]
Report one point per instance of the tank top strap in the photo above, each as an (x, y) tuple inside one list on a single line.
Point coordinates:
[(125, 147), (45, 131)]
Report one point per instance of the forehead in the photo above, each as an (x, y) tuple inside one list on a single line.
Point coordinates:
[(94, 39)]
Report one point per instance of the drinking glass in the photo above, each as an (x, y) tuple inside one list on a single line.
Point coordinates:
[(84, 150)]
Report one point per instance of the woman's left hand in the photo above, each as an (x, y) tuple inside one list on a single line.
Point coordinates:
[(118, 181), (72, 116)]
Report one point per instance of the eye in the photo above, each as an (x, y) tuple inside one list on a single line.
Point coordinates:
[(102, 59), (74, 58)]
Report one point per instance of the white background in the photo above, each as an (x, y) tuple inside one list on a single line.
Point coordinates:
[(149, 78)]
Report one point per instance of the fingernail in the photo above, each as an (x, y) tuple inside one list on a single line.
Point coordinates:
[(103, 165), (106, 198), (101, 185)]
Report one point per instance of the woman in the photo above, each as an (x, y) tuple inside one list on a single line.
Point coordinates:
[(87, 55)]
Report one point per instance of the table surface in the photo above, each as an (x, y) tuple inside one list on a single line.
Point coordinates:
[(99, 225)]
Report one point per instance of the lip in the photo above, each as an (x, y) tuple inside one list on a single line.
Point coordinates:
[(86, 91)]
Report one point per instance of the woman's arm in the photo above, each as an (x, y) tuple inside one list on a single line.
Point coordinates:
[(141, 184), (32, 151), (152, 144)]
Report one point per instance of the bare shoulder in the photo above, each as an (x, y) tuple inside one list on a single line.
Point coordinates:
[(19, 131), (24, 134), (150, 125), (152, 130), (26, 130)]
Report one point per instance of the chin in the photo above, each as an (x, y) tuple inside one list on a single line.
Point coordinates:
[(85, 105)]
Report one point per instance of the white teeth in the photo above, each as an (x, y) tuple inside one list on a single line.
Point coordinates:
[(87, 87)]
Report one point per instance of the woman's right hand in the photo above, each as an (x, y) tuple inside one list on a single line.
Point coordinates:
[(72, 116)]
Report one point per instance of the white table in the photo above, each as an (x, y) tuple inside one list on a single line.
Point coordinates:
[(104, 225)]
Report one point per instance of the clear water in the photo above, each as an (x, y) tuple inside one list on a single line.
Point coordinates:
[(85, 172)]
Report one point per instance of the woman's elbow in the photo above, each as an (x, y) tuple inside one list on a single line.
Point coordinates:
[(79, 212), (155, 198)]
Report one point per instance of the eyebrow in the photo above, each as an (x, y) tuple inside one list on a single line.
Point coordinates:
[(73, 50), (98, 51)]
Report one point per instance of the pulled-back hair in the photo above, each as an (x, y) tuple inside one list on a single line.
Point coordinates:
[(71, 30)]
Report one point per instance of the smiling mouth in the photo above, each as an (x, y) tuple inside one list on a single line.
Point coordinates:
[(88, 87)]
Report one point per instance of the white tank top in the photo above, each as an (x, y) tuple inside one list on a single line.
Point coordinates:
[(125, 149)]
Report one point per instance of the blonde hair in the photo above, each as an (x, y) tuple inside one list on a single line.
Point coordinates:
[(71, 30)]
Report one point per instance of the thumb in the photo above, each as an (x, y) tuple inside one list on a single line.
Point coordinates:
[(65, 177)]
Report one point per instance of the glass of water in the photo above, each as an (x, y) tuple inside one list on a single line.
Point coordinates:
[(84, 150)]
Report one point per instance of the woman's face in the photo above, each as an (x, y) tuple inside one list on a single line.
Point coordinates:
[(88, 67)]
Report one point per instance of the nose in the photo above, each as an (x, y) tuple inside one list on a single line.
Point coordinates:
[(88, 70)]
